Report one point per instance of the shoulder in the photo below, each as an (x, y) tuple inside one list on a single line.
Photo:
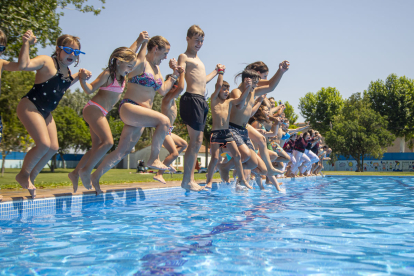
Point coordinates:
[(235, 92), (182, 57)]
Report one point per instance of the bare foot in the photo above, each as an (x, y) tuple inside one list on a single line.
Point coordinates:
[(24, 180), (244, 183), (85, 178), (277, 186), (1, 198), (95, 184), (159, 178), (74, 179), (209, 185), (274, 171), (32, 191), (225, 175), (192, 186), (158, 165)]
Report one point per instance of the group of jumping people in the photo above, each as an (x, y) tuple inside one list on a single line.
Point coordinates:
[(249, 133)]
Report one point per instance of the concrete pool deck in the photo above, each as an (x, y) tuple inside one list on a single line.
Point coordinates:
[(22, 194)]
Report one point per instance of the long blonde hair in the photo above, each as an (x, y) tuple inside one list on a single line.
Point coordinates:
[(122, 54)]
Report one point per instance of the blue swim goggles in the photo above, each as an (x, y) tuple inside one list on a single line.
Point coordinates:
[(69, 50), (2, 48)]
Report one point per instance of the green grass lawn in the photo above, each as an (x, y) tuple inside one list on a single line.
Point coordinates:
[(369, 173), (59, 178)]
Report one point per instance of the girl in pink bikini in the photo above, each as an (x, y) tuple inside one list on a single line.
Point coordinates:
[(135, 109), (111, 84)]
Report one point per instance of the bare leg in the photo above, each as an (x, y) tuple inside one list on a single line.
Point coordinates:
[(129, 137), (215, 151), (54, 146), (238, 164), (36, 125), (258, 139), (101, 133), (138, 116), (175, 145), (245, 154), (196, 139)]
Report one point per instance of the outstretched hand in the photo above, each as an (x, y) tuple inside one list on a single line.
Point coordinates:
[(143, 37), (248, 83), (84, 74), (284, 66), (179, 69), (29, 37), (173, 63)]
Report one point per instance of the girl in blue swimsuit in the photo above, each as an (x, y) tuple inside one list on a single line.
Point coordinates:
[(53, 78)]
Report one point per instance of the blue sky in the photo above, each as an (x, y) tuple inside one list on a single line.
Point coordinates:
[(343, 44)]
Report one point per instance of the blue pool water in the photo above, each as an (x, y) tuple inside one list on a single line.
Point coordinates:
[(329, 226)]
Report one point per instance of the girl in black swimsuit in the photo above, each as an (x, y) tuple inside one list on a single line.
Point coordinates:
[(53, 78)]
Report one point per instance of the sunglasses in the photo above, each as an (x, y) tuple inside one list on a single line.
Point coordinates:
[(69, 50), (2, 48)]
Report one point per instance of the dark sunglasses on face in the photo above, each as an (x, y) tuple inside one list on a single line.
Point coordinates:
[(2, 48), (69, 50)]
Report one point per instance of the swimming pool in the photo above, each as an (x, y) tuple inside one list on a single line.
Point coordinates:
[(329, 226)]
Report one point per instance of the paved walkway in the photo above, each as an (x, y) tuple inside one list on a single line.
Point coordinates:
[(21, 194)]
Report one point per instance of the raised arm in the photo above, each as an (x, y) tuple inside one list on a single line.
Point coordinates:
[(143, 36), (298, 129), (168, 84), (239, 102), (219, 83), (275, 127), (173, 93), (256, 106), (211, 76), (316, 140), (28, 39), (89, 88), (274, 81)]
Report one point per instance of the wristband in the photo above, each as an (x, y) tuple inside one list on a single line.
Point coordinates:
[(174, 77), (220, 71)]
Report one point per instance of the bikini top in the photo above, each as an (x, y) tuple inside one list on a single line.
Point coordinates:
[(114, 87), (147, 79)]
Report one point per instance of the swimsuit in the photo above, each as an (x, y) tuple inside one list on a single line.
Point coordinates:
[(241, 136), (170, 130), (194, 110), (147, 80), (222, 137), (127, 101), (114, 87), (47, 95), (90, 102)]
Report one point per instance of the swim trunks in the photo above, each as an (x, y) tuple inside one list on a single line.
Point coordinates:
[(222, 137), (241, 135), (193, 110)]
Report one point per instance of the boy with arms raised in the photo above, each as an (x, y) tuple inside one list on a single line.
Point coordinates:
[(221, 135), (193, 106), (238, 123)]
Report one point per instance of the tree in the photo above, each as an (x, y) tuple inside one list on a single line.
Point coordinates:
[(75, 100), (321, 108), (116, 126), (290, 113), (72, 131), (394, 99), (15, 137), (18, 16), (359, 131)]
